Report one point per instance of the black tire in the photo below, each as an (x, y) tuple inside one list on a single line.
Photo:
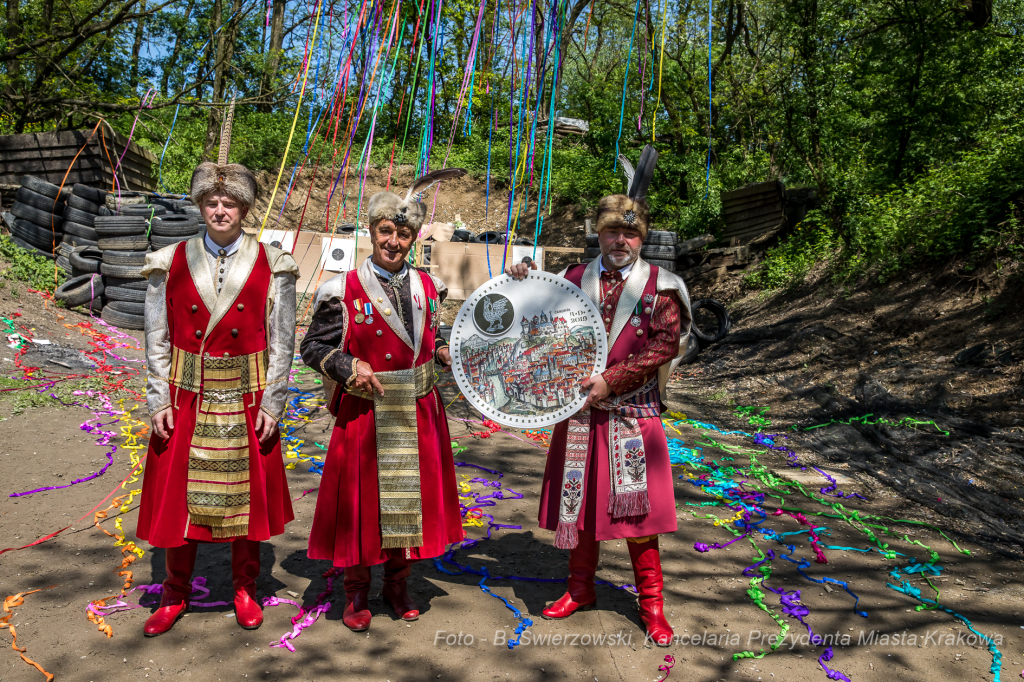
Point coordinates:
[(34, 215), (174, 225), (130, 307), (144, 210), (86, 258), (161, 242), (113, 201), (661, 238), (193, 211), (40, 201), (40, 186), (123, 271), (40, 237), (458, 235), (104, 211), (132, 242), (31, 249), (591, 252), (79, 290), (75, 201), (692, 350), (64, 249), (721, 315), (96, 305), (490, 237), (592, 240), (119, 294), (117, 318), (116, 226), (659, 252), (78, 216), (123, 283), (169, 204), (669, 265), (64, 264), (75, 240), (133, 258), (94, 196), (80, 230)]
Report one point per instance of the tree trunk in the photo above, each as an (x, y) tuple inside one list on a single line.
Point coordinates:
[(216, 96), (274, 62), (13, 31), (136, 46)]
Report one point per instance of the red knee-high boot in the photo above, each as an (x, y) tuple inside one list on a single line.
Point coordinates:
[(245, 568), (582, 566), (177, 588), (649, 583), (357, 589), (396, 575)]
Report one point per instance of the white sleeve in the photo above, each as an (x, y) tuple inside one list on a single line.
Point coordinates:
[(281, 341), (158, 344)]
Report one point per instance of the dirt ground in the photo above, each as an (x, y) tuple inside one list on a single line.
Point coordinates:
[(780, 354)]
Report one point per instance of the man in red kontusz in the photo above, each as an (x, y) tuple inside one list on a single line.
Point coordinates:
[(388, 493), (220, 333), (608, 474)]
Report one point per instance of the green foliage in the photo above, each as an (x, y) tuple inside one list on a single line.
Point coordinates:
[(38, 272), (812, 242)]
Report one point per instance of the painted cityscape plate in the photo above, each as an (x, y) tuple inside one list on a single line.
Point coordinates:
[(520, 350)]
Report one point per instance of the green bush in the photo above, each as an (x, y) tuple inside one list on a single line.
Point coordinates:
[(38, 272)]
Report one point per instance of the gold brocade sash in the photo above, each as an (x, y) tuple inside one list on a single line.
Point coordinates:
[(217, 492), (398, 463)]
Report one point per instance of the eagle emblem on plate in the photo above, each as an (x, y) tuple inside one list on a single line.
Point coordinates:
[(648, 298)]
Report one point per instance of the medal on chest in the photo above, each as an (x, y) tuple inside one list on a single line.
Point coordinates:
[(635, 320)]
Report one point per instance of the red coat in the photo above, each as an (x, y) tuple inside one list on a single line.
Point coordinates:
[(594, 516), (163, 514), (346, 524)]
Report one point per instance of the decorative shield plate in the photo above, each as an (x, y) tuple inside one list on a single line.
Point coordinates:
[(520, 350)]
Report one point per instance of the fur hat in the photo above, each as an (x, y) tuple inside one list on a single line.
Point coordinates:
[(408, 211), (630, 209), (233, 179)]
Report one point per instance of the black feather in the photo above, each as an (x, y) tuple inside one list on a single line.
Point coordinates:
[(644, 173), (423, 184)]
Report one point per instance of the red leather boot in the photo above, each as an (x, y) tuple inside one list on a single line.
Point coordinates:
[(582, 566), (396, 575), (357, 590), (649, 583), (177, 588), (245, 568)]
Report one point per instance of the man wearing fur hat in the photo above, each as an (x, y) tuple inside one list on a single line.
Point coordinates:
[(220, 334), (646, 315), (388, 493)]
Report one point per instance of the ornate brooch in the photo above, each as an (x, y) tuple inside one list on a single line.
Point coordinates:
[(400, 218), (648, 298), (629, 217)]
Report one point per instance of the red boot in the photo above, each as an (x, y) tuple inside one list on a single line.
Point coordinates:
[(245, 568), (649, 583), (357, 589), (582, 566), (396, 575), (177, 588)]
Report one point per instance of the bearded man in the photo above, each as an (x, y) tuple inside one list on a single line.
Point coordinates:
[(388, 493), (608, 474), (220, 334)]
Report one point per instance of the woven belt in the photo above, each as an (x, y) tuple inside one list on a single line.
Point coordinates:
[(239, 374), (402, 384)]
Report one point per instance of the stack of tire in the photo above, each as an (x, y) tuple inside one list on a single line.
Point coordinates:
[(123, 244), (84, 205), (38, 216), (659, 248)]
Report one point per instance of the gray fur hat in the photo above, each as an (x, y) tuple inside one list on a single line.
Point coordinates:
[(233, 179), (409, 211)]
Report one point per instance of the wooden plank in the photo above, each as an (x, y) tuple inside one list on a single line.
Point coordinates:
[(756, 188), (770, 219), (751, 199), (751, 233), (764, 209)]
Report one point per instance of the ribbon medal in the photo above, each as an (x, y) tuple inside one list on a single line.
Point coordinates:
[(359, 315), (368, 311), (635, 321)]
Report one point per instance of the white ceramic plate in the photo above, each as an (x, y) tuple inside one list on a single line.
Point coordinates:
[(520, 350)]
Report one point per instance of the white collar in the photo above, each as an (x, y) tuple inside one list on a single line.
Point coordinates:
[(387, 274), (229, 250), (622, 271)]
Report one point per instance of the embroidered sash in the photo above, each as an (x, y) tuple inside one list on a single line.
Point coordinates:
[(217, 490), (626, 459), (398, 461)]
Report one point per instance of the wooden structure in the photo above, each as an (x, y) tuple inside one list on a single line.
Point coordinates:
[(752, 211), (48, 156)]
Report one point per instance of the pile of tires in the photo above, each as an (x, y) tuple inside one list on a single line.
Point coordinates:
[(659, 248), (38, 211), (123, 243), (84, 205)]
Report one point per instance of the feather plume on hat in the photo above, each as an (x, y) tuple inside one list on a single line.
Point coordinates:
[(630, 209), (409, 211), (232, 179)]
